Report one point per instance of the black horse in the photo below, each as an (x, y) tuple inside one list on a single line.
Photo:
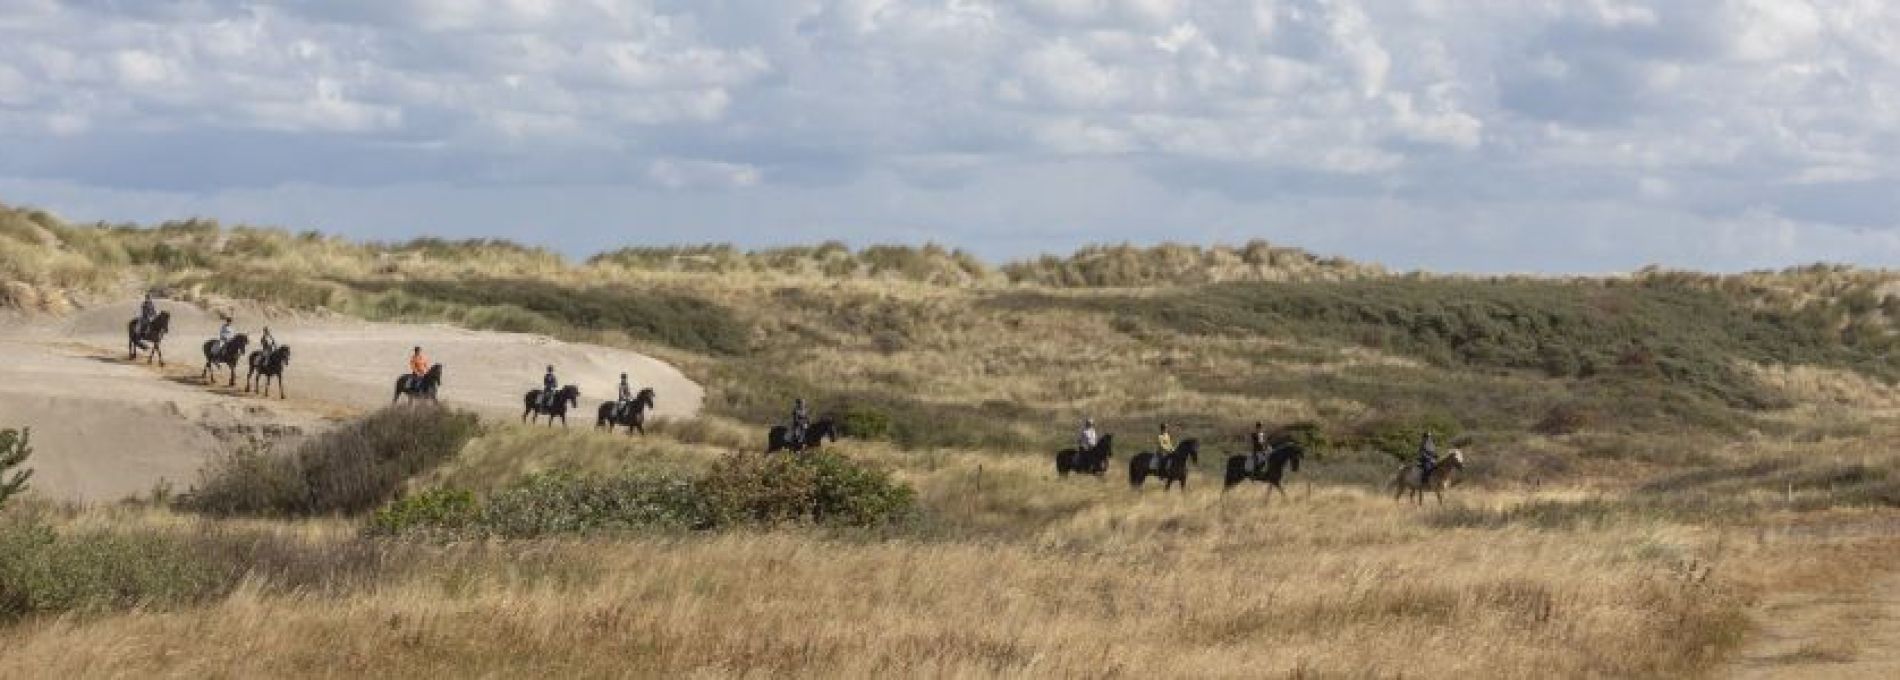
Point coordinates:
[(229, 355), (780, 438), (1090, 462), (568, 397), (1174, 466), (265, 368), (635, 418), (418, 388), (154, 335), (1282, 459)]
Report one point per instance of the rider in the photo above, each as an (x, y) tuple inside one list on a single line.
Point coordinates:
[(801, 419), (1086, 440), (1427, 458), (1260, 448), (418, 364), (224, 336), (626, 397), (1164, 445), (548, 385), (267, 342), (148, 310)]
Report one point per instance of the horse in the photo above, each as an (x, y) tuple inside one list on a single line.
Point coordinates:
[(1091, 462), (1443, 475), (268, 367), (780, 437), (227, 355), (154, 334), (635, 418), (1281, 459), (418, 388), (568, 397), (1174, 466)]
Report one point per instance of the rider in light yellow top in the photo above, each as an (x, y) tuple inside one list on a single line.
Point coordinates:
[(1164, 445)]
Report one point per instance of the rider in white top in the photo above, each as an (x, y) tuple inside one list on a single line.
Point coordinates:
[(224, 337), (1086, 440)]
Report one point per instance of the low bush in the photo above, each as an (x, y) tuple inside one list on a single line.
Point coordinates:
[(46, 571), (15, 447), (349, 470), (863, 422), (821, 489)]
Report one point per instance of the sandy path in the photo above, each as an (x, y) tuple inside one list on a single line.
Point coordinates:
[(104, 428), (1807, 635)]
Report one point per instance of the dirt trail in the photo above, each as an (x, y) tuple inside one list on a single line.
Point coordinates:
[(1805, 635), (105, 428)]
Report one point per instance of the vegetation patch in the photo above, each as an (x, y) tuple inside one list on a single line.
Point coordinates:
[(820, 489), (349, 470)]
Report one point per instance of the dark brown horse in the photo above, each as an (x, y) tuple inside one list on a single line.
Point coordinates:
[(265, 368), (1173, 468), (1282, 459), (228, 356), (418, 388), (153, 334), (1091, 462), (634, 418), (568, 397)]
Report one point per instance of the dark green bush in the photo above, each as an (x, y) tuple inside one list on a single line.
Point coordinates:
[(1400, 434), (863, 422), (348, 470), (562, 503), (450, 509), (741, 489)]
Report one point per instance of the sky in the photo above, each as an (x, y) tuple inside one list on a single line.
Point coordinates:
[(1557, 136)]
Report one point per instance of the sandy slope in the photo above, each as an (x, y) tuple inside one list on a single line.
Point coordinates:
[(104, 428)]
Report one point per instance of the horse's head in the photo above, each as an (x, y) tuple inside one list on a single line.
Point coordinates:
[(434, 375), (1106, 445), (160, 323), (283, 354), (1455, 459), (571, 394), (1190, 450), (645, 396)]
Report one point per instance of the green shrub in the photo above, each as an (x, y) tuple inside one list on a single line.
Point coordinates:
[(564, 503), (15, 446), (348, 470), (863, 422), (451, 509), (741, 489)]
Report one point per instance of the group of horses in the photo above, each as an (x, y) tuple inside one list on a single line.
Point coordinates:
[(263, 367), (1284, 457), (609, 416)]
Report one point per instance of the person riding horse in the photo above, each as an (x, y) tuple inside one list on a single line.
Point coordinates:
[(1427, 458), (224, 337), (549, 387), (1164, 445), (418, 365), (148, 310), (1086, 440), (1258, 440), (625, 398), (801, 419), (267, 342)]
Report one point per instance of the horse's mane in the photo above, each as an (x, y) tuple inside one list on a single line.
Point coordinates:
[(435, 371)]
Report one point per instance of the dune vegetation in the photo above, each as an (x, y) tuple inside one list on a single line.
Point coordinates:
[(1652, 457)]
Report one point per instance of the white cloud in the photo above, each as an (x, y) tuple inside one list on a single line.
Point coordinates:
[(1776, 114)]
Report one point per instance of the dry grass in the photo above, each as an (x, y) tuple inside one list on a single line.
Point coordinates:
[(1610, 546)]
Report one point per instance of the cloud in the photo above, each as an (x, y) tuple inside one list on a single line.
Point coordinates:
[(1722, 121)]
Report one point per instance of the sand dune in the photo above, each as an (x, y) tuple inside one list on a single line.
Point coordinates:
[(105, 428)]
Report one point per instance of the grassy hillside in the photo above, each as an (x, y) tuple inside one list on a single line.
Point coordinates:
[(1651, 456)]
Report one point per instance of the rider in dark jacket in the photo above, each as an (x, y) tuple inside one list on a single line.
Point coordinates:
[(1258, 441), (625, 398), (1427, 458), (148, 310), (548, 387), (801, 419)]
